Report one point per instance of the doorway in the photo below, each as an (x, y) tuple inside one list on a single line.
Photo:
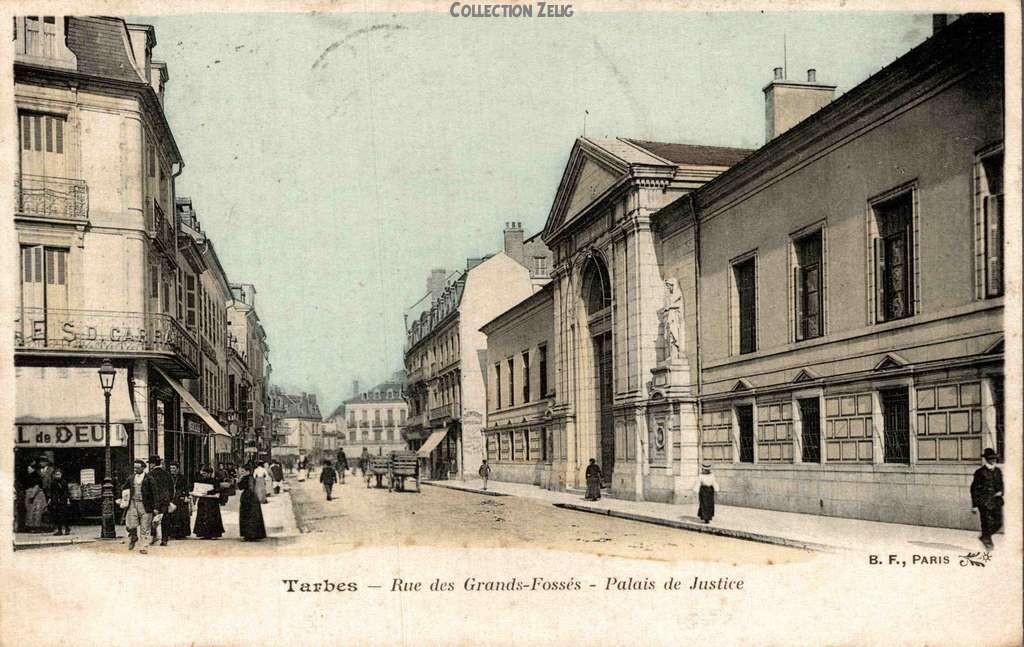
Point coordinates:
[(603, 355)]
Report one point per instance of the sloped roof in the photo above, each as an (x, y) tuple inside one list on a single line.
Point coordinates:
[(382, 389), (99, 44), (693, 153)]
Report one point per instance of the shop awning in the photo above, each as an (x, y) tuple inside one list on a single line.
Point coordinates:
[(193, 404), (68, 394), (430, 443)]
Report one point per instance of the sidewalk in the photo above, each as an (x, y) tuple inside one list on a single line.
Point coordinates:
[(278, 518), (810, 532)]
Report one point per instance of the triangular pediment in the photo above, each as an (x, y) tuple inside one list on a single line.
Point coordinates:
[(805, 375), (995, 349), (741, 385), (891, 361), (590, 173)]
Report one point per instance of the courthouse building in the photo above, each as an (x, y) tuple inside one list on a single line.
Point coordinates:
[(796, 315)]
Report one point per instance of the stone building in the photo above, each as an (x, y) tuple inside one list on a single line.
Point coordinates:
[(445, 384), (300, 426), (372, 419), (96, 236), (248, 338), (518, 436), (791, 314)]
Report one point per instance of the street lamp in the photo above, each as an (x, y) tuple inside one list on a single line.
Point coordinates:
[(107, 375), (232, 416)]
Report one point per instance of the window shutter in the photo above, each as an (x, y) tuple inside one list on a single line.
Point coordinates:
[(26, 132), (51, 270), (879, 281), (62, 260), (37, 133), (58, 127), (798, 303), (49, 134), (993, 245)]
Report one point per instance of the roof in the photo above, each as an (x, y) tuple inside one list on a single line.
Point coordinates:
[(99, 45), (382, 389), (693, 153), (546, 293)]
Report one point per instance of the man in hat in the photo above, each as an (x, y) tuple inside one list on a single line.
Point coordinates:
[(163, 489), (327, 478), (141, 501), (987, 497)]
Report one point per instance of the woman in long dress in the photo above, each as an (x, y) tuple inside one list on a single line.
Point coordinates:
[(705, 487), (259, 476), (593, 481), (35, 500), (250, 515), (209, 524), (176, 524)]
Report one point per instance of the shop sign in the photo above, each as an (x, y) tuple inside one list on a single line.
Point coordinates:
[(472, 417), (195, 427), (59, 436)]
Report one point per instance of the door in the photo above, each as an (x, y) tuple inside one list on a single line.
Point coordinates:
[(603, 353), (896, 418)]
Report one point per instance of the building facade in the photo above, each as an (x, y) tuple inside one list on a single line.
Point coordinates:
[(300, 426), (445, 384), (248, 338), (519, 438), (795, 315), (372, 420)]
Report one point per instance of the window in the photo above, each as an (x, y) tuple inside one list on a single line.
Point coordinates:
[(42, 132), (810, 430), (497, 385), (351, 436), (401, 416), (744, 274), (896, 425), (352, 418), (511, 382), (526, 376), (542, 368), (992, 222), (807, 282), (997, 403), (894, 262), (190, 300), (391, 435), (540, 265), (745, 421), (391, 417)]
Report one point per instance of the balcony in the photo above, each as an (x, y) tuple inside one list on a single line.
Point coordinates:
[(51, 198), (160, 228), (441, 412), (105, 333)]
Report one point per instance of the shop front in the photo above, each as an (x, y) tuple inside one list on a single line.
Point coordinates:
[(59, 424), (203, 439)]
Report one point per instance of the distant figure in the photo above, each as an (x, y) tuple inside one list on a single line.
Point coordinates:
[(364, 461), (259, 477), (593, 481), (59, 503), (35, 497), (484, 472), (342, 465), (277, 475), (250, 514), (327, 478), (705, 487), (987, 497), (163, 484), (301, 471)]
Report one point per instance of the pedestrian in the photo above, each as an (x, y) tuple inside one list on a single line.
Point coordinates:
[(140, 502), (593, 481), (209, 524), (163, 484), (250, 515), (35, 498), (342, 465), (226, 483), (484, 472), (277, 474), (987, 497), (301, 471), (58, 503), (364, 461), (327, 478), (705, 487), (176, 521), (259, 476)]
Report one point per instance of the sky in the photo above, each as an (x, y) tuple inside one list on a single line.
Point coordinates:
[(334, 159)]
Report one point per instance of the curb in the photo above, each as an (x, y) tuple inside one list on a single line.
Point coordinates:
[(705, 528), (51, 544), (465, 489)]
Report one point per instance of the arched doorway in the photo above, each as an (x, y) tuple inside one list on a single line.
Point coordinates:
[(597, 296)]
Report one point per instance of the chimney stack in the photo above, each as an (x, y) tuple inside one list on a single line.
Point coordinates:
[(787, 103), (435, 283), (514, 241), (355, 388)]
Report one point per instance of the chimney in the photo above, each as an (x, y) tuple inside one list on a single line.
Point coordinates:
[(355, 388), (435, 283), (787, 103), (159, 79), (514, 241), (143, 40)]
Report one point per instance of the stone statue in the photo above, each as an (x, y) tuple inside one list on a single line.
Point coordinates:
[(671, 318)]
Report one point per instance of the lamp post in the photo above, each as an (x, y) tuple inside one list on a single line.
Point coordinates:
[(107, 375), (231, 415)]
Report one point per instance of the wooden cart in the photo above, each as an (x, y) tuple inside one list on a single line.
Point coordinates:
[(377, 467), (404, 464)]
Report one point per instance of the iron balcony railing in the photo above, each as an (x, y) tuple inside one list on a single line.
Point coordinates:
[(55, 198), (89, 331), (161, 228), (443, 411)]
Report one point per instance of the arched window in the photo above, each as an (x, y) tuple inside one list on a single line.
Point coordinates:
[(597, 288)]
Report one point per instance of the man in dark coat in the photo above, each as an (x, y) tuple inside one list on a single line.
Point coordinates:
[(987, 497), (139, 496), (163, 488), (593, 475), (342, 465), (276, 475), (327, 478)]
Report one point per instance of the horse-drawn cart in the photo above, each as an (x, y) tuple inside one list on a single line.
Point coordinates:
[(377, 467), (404, 464)]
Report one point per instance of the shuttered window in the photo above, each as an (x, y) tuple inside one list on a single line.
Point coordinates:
[(992, 214), (894, 262), (746, 292), (807, 281), (42, 133)]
